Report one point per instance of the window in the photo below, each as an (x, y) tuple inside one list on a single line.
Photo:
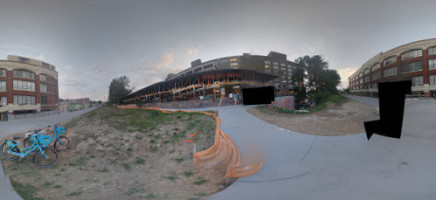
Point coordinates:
[(417, 81), (389, 60), (24, 85), (376, 76), (43, 88), (2, 72), (432, 79), (375, 67), (234, 64), (390, 72), (44, 100), (2, 86), (374, 86), (208, 66), (275, 67), (275, 63), (24, 100), (3, 101), (233, 60), (431, 50), (366, 71), (367, 79), (361, 81), (267, 62), (24, 60), (197, 70), (411, 54), (42, 77), (432, 63), (45, 65), (24, 74), (411, 67)]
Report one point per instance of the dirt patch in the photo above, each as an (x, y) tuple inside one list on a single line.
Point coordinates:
[(127, 154), (345, 119)]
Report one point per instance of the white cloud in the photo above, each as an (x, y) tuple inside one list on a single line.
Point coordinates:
[(69, 67)]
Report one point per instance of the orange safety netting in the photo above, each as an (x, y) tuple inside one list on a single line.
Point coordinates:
[(224, 151)]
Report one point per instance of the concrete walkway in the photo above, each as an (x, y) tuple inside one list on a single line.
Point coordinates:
[(17, 126), (300, 166)]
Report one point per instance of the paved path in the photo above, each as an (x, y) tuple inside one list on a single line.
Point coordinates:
[(367, 100), (17, 126), (300, 166)]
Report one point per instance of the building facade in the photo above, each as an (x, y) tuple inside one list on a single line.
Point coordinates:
[(239, 71), (27, 85), (414, 61)]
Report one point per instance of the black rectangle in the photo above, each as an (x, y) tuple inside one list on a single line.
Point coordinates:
[(261, 95)]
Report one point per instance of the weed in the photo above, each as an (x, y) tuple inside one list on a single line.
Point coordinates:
[(74, 194), (103, 170), (138, 137), (134, 190), (188, 174), (57, 186), (127, 166), (172, 177), (129, 149), (179, 160), (150, 196), (200, 194), (140, 160), (200, 181)]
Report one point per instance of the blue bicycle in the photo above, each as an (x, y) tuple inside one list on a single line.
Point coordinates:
[(45, 157), (61, 143)]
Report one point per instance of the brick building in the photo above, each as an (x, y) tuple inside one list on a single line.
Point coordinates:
[(414, 61), (27, 85)]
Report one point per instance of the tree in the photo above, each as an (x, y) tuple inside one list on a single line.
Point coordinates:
[(319, 77), (297, 78), (119, 89)]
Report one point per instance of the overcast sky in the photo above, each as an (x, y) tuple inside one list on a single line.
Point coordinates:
[(91, 42)]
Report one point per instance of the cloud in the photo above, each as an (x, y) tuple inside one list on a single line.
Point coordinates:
[(192, 51), (345, 73), (98, 71), (69, 67)]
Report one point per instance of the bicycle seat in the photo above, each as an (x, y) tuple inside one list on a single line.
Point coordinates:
[(16, 137)]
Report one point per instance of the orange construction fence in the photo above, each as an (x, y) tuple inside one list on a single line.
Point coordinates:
[(223, 153)]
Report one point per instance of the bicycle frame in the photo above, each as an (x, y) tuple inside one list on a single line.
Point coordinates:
[(24, 151), (55, 135)]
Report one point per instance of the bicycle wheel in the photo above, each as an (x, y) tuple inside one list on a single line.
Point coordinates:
[(4, 149), (41, 161), (65, 143), (27, 142)]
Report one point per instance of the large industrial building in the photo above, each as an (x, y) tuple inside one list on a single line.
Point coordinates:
[(27, 85), (206, 78), (414, 61)]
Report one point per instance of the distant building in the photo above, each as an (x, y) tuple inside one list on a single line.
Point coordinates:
[(414, 61), (27, 85), (240, 71)]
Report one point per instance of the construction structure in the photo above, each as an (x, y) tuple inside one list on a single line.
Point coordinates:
[(209, 80), (415, 61), (27, 86)]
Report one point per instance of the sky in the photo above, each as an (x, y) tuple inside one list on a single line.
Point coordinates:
[(92, 42)]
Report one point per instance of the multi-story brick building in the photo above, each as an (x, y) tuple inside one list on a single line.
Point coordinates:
[(414, 61), (27, 85)]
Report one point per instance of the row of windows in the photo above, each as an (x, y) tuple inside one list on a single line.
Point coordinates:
[(431, 50), (411, 67), (375, 67), (2, 72), (411, 54), (23, 74), (376, 76), (390, 72), (24, 85), (406, 68), (24, 100)]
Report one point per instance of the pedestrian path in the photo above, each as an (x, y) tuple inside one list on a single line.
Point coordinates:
[(301, 166)]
